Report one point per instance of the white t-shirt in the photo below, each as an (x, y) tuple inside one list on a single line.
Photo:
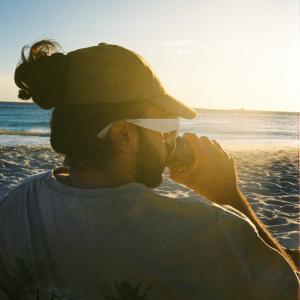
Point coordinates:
[(60, 242)]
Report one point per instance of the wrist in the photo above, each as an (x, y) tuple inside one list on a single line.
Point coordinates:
[(241, 203), (227, 196)]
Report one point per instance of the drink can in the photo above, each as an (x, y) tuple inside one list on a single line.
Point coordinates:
[(182, 157)]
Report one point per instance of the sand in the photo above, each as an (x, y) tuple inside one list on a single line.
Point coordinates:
[(268, 176)]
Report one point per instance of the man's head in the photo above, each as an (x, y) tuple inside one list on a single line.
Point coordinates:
[(143, 152), (92, 87)]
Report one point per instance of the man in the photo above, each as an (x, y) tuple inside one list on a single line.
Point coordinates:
[(87, 232)]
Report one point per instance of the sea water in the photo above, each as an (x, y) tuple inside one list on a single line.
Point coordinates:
[(26, 123)]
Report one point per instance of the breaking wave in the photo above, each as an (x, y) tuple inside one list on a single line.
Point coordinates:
[(30, 132)]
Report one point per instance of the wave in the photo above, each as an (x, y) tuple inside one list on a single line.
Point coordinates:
[(26, 123), (24, 132)]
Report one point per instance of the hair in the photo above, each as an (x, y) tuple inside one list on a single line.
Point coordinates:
[(41, 75)]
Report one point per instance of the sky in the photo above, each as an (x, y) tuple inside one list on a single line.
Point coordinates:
[(220, 54)]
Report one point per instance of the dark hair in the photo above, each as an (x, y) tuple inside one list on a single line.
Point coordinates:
[(41, 76), (74, 132)]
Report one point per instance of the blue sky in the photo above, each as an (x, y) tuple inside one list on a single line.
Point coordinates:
[(212, 53)]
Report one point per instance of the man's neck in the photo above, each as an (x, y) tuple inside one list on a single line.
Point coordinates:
[(90, 180)]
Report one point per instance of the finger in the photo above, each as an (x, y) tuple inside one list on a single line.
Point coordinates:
[(217, 145), (231, 164), (206, 140), (235, 173), (218, 148), (210, 147), (193, 141), (232, 161)]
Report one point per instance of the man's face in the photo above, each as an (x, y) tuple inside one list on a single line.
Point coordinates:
[(154, 150)]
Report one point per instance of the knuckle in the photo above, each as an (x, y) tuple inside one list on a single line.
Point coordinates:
[(190, 135), (204, 138)]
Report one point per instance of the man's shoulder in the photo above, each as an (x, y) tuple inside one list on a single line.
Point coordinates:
[(34, 179), (190, 208), (29, 183)]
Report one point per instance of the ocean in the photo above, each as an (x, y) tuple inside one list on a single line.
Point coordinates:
[(27, 124)]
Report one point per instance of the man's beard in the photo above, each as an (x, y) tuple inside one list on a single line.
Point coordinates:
[(149, 165)]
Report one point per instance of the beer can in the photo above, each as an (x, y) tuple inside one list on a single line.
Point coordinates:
[(183, 157)]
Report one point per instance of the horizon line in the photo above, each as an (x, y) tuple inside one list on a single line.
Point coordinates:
[(196, 108)]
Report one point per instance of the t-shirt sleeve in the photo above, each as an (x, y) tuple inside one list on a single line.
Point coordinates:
[(7, 286), (3, 295), (271, 276), (8, 283)]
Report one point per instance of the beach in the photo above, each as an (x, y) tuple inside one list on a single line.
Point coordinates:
[(268, 176)]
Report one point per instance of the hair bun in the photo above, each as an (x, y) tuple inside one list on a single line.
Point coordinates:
[(41, 75), (21, 81), (24, 95)]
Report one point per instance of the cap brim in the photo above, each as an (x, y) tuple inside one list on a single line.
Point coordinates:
[(173, 105)]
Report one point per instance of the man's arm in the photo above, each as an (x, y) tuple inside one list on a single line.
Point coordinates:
[(214, 177), (270, 275), (240, 203)]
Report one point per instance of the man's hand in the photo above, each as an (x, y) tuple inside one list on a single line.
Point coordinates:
[(213, 175)]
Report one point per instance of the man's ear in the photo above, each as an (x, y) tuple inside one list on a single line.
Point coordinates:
[(120, 132)]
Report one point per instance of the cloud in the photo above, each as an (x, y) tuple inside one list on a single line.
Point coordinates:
[(180, 47), (182, 52), (179, 43), (229, 45)]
